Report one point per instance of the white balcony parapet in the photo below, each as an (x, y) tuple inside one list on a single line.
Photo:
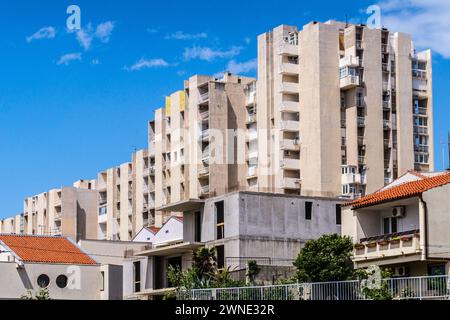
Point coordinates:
[(349, 61), (289, 87), (286, 48), (203, 97), (349, 82), (290, 164), (290, 106), (389, 246), (291, 183), (290, 144), (290, 125), (289, 68)]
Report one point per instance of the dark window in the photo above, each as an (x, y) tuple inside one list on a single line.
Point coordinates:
[(386, 225), (220, 257), (394, 225), (137, 276), (43, 281), (61, 281), (102, 274), (338, 214), (198, 226), (220, 220), (308, 210)]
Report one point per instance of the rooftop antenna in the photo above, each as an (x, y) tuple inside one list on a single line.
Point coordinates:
[(346, 20)]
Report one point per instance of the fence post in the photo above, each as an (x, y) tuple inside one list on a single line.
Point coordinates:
[(420, 289)]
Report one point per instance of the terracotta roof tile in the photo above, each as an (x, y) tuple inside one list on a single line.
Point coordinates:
[(40, 249), (403, 191), (153, 229)]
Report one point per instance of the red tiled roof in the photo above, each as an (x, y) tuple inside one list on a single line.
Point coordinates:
[(403, 191), (153, 229), (54, 250)]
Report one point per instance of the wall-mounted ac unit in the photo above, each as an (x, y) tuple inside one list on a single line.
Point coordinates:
[(398, 212), (400, 272)]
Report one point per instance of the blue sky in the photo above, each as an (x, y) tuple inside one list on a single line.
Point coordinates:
[(72, 104)]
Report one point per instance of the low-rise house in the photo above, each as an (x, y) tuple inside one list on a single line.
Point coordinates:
[(31, 263), (404, 226), (243, 226), (146, 234)]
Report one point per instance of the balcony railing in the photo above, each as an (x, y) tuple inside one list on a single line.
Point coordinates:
[(413, 288), (422, 148), (349, 82), (288, 49), (361, 121), (349, 61), (203, 97), (290, 125), (420, 130), (419, 74), (204, 191), (389, 245), (204, 116)]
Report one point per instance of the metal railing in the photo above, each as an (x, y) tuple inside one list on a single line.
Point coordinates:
[(417, 288)]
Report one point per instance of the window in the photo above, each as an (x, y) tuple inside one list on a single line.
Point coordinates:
[(308, 210), (198, 226), (220, 220), (338, 214), (137, 276), (102, 283), (43, 281), (220, 257), (390, 225), (61, 281)]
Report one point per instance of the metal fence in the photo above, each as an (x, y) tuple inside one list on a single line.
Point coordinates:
[(419, 288)]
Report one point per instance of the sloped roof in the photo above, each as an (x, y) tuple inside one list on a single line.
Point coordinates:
[(403, 191), (41, 249)]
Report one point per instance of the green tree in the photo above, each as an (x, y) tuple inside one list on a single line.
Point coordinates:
[(205, 262), (325, 259), (42, 294)]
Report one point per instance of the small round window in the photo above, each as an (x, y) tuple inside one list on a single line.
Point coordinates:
[(61, 281), (43, 281)]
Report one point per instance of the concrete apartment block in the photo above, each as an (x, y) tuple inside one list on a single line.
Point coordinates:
[(197, 142), (331, 99), (124, 200), (69, 212)]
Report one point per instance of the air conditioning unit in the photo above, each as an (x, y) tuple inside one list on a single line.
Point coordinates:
[(398, 212), (400, 272)]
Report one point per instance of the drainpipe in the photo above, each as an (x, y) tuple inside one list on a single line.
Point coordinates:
[(423, 209)]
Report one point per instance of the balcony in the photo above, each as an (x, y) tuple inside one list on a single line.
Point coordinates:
[(291, 183), (386, 105), (204, 191), (290, 87), (203, 98), (102, 219), (384, 48), (361, 160), (290, 164), (203, 116), (288, 49), (349, 61), (361, 122), (359, 45), (252, 135), (385, 67), (204, 135), (387, 124), (385, 86), (421, 149), (251, 118), (252, 171), (421, 111), (203, 172), (289, 69), (290, 125), (351, 178), (388, 246), (349, 82), (387, 143), (290, 106), (289, 144), (253, 154), (419, 74), (251, 98), (361, 141)]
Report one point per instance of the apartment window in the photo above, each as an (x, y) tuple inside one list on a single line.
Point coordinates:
[(137, 276), (308, 210), (390, 225), (198, 226), (220, 220), (220, 257), (338, 214)]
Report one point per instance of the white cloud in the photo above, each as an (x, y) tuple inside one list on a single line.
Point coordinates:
[(428, 22), (208, 54), (152, 30), (43, 33), (102, 32), (84, 37), (248, 40), (95, 62), (68, 58), (145, 63), (180, 35), (242, 67)]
